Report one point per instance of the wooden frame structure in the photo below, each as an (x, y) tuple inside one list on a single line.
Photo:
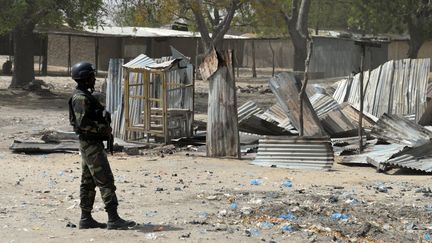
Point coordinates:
[(158, 99)]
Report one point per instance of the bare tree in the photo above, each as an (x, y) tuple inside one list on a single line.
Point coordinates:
[(295, 14), (297, 23), (219, 24)]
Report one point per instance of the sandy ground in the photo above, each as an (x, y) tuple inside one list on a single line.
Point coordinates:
[(185, 196)]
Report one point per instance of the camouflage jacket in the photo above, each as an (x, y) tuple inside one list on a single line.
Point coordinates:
[(86, 115)]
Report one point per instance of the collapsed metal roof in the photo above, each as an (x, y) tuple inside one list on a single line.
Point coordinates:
[(397, 129), (419, 158)]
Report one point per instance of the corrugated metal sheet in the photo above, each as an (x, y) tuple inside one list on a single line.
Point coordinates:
[(332, 118), (378, 153), (286, 89), (397, 129), (163, 65), (336, 124), (353, 114), (250, 121), (347, 144), (295, 152), (141, 61), (419, 158), (323, 103), (396, 87), (247, 109), (114, 96), (114, 84), (147, 32), (275, 114)]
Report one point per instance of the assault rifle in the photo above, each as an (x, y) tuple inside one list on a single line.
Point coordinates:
[(110, 137)]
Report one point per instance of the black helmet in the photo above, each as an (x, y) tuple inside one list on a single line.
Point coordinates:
[(82, 70)]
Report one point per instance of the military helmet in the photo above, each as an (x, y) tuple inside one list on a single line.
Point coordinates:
[(82, 70)]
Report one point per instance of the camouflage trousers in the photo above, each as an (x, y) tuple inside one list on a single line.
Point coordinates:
[(96, 171)]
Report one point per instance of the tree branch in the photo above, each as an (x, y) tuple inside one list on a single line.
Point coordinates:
[(302, 21), (223, 26), (197, 12)]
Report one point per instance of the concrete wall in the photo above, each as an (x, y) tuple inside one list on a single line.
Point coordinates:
[(109, 47), (283, 51), (334, 57), (82, 49), (399, 50)]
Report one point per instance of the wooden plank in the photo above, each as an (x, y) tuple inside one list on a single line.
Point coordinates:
[(286, 89), (209, 66), (222, 126)]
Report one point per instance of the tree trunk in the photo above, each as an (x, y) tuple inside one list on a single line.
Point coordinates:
[(414, 44), (254, 73), (23, 56), (297, 27), (416, 32), (300, 52), (222, 126), (273, 58)]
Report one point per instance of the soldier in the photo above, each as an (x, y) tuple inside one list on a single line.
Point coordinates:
[(86, 117)]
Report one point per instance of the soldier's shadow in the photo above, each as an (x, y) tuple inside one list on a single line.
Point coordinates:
[(150, 228)]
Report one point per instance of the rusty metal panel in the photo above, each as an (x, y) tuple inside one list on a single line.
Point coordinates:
[(247, 109), (348, 144), (419, 158), (286, 89), (295, 152), (377, 153), (209, 66), (275, 114), (323, 103), (397, 129), (251, 122), (396, 87)]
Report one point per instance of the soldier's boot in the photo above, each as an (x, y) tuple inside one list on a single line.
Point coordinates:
[(117, 223), (87, 222)]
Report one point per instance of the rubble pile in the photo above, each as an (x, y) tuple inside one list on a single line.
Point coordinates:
[(395, 108)]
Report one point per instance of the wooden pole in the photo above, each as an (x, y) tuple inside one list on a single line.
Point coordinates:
[(196, 58), (254, 74), (273, 58), (45, 56), (69, 55), (363, 44), (165, 108), (305, 82), (97, 54), (233, 57), (360, 127), (126, 104)]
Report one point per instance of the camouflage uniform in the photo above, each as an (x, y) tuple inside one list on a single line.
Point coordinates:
[(86, 117)]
